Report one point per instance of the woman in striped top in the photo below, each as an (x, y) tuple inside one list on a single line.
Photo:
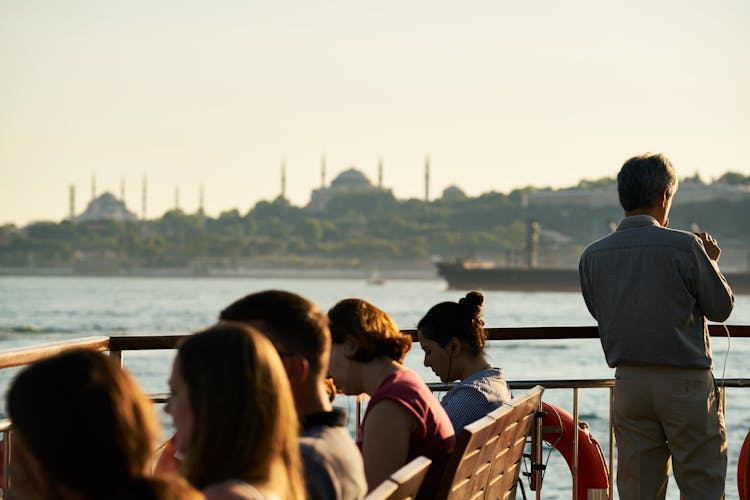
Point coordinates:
[(452, 337)]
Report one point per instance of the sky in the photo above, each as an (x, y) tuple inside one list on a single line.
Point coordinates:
[(498, 94)]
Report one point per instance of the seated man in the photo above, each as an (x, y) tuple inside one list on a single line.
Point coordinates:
[(299, 330)]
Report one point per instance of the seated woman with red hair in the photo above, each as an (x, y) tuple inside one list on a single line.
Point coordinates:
[(403, 419)]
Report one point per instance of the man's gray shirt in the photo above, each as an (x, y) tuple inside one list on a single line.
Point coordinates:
[(332, 462), (651, 290)]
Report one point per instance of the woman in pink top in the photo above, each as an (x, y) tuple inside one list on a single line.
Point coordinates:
[(403, 419)]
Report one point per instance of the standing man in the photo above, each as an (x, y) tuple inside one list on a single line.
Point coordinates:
[(651, 290), (332, 463)]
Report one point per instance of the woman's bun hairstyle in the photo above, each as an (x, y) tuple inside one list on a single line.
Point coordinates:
[(462, 320)]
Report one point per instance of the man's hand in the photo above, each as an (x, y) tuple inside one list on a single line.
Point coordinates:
[(709, 243)]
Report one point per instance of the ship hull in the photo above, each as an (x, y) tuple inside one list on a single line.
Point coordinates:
[(459, 276)]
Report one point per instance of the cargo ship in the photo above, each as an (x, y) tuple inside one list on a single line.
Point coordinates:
[(484, 275), (475, 274)]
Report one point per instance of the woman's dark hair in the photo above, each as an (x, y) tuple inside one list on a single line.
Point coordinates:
[(462, 320), (90, 428), (372, 332)]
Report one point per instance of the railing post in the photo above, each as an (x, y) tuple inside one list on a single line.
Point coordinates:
[(6, 460), (358, 420), (575, 444), (536, 452), (611, 494), (117, 356)]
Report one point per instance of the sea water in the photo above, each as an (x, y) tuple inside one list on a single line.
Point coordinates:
[(35, 310)]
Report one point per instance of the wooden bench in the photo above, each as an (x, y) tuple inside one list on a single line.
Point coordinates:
[(486, 460), (404, 483)]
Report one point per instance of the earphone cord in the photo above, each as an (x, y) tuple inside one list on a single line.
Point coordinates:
[(450, 362), (726, 358)]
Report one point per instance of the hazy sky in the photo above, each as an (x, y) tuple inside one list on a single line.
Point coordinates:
[(500, 95)]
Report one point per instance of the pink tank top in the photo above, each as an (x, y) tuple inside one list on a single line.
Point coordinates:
[(433, 436)]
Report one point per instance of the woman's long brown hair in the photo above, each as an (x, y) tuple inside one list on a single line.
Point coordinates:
[(244, 418)]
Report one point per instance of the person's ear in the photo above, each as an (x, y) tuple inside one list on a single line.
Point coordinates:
[(454, 347), (664, 198), (303, 369), (297, 367)]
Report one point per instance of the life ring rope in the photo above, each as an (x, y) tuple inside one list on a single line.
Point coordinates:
[(557, 441), (558, 431)]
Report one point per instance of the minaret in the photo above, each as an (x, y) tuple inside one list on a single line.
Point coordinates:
[(177, 197), (72, 201), (380, 173), (283, 179), (122, 189), (93, 186), (143, 197), (200, 200), (532, 243), (323, 172), (427, 179)]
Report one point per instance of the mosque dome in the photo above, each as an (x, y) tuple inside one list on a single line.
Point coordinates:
[(453, 191), (106, 207), (351, 179)]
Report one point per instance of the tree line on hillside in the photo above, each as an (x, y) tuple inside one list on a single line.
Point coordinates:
[(359, 229)]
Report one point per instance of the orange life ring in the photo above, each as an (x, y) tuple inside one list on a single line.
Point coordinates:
[(557, 430), (743, 470), (166, 461)]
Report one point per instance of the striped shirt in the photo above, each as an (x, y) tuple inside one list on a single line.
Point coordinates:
[(475, 396)]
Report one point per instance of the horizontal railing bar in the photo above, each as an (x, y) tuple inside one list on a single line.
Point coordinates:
[(144, 342), (158, 397), (26, 355), (578, 332), (576, 383), (5, 425)]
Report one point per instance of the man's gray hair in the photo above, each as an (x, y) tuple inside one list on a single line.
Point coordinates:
[(643, 178)]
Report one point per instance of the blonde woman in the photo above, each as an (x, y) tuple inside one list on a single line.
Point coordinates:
[(234, 416)]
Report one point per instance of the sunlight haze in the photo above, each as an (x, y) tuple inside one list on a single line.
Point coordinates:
[(498, 94)]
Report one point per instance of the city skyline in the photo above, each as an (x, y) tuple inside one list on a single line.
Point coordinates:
[(500, 95), (77, 205)]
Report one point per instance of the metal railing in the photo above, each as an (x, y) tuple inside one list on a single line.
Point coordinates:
[(116, 345)]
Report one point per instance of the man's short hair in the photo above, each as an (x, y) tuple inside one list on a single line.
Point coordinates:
[(643, 178), (292, 323)]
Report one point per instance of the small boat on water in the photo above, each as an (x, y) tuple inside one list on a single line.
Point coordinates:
[(375, 278), (463, 274)]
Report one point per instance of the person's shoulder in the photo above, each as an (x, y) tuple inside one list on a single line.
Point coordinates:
[(462, 392), (326, 441), (478, 390), (404, 381), (233, 490), (596, 245), (410, 376), (677, 237)]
